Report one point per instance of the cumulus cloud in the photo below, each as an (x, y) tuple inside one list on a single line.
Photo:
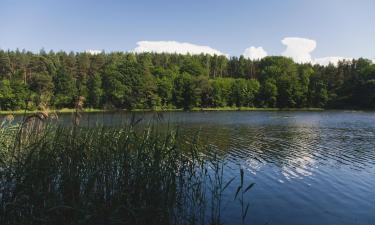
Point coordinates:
[(93, 51), (299, 49), (175, 47), (331, 59), (254, 53)]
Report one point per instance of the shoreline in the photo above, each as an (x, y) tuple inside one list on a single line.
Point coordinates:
[(196, 109)]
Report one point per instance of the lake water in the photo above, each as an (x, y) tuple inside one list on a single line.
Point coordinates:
[(308, 167)]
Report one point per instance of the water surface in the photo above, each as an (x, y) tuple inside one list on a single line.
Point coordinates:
[(308, 167)]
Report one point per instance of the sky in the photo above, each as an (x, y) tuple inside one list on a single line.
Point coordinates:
[(318, 31)]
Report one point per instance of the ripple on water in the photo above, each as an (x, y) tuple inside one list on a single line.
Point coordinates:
[(309, 167)]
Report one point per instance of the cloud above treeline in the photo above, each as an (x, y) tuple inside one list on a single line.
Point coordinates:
[(175, 47), (297, 48), (300, 49), (331, 59), (254, 53), (93, 51)]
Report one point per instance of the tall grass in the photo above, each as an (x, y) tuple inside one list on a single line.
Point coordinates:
[(52, 174)]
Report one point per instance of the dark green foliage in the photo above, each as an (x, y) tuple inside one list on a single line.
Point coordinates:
[(148, 80), (64, 89), (164, 91), (193, 66), (243, 92), (115, 89), (365, 94), (6, 95), (185, 95), (95, 91), (221, 89), (269, 93)]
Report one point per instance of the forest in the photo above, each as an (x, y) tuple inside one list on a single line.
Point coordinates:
[(124, 80)]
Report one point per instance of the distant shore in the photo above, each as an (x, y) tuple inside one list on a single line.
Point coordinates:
[(90, 110)]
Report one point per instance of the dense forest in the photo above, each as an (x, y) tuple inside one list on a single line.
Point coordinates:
[(147, 81)]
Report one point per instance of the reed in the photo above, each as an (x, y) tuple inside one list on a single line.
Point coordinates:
[(105, 175)]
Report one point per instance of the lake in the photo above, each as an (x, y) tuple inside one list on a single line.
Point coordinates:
[(308, 167)]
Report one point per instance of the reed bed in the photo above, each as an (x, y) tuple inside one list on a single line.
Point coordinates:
[(51, 174)]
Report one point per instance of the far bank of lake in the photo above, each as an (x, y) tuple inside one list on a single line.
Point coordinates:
[(90, 110)]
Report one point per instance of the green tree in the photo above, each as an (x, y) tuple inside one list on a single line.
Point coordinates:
[(318, 93), (221, 89), (65, 91), (185, 94), (95, 91), (6, 95), (5, 67), (243, 92), (204, 89), (191, 65), (165, 90), (21, 94), (268, 93), (114, 89), (82, 69), (42, 85), (365, 95), (147, 80)]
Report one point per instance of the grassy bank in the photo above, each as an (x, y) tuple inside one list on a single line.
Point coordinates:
[(65, 110), (89, 110), (127, 175), (255, 109)]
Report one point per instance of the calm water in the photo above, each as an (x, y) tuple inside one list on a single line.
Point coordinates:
[(308, 167)]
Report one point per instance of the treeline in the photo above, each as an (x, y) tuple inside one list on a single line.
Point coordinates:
[(146, 81)]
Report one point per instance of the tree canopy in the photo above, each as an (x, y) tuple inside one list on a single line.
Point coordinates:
[(148, 80)]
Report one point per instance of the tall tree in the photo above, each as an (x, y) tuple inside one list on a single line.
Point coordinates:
[(95, 91), (65, 91)]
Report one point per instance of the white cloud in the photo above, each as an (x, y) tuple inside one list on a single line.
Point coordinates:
[(331, 59), (93, 51), (299, 49), (254, 53), (174, 47)]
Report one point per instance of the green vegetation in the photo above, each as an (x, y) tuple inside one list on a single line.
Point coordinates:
[(63, 110), (160, 109), (171, 81), (103, 175)]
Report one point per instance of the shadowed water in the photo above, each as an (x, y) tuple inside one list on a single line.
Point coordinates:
[(308, 167)]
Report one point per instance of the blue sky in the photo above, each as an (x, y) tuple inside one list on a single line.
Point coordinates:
[(342, 28)]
